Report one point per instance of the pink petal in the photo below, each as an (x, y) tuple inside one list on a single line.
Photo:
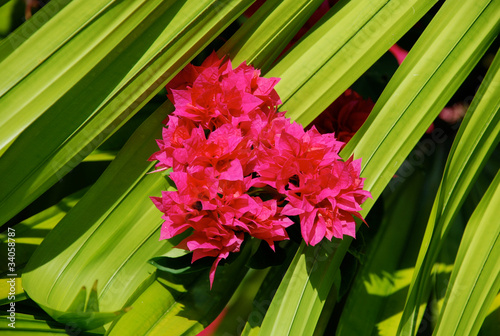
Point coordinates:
[(234, 172), (290, 210)]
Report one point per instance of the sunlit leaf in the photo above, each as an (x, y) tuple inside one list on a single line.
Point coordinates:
[(476, 139)]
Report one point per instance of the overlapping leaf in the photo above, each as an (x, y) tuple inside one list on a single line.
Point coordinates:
[(268, 31)]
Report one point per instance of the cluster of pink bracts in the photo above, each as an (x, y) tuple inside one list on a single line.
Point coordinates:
[(227, 146)]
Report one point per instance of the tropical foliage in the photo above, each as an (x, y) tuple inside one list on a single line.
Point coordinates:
[(82, 101)]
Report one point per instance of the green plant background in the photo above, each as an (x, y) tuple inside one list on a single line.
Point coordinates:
[(82, 100)]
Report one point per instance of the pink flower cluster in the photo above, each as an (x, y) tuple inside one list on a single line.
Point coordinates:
[(242, 168)]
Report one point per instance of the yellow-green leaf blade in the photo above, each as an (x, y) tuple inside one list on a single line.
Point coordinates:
[(475, 280)]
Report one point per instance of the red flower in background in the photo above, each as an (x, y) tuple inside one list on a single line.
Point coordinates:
[(344, 116), (453, 114), (398, 53)]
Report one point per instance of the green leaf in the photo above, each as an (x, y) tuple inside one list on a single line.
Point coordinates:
[(303, 288), (30, 232), (78, 304), (28, 235), (491, 323), (93, 302), (393, 309), (32, 324), (265, 295), (100, 155), (181, 265), (239, 309), (85, 314), (329, 306), (10, 13), (89, 321), (477, 137), (182, 305), (59, 58), (475, 280), (268, 31), (121, 267), (431, 73), (475, 141)]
